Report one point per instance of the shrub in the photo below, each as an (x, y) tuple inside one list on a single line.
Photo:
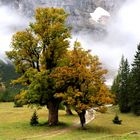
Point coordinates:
[(34, 119), (116, 120), (17, 101), (18, 104), (6, 96)]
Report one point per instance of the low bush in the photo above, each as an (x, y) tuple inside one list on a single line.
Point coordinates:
[(116, 120), (34, 119)]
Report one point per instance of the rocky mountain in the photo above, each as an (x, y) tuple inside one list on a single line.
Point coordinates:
[(79, 10)]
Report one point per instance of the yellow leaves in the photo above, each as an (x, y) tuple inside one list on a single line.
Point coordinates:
[(17, 97), (59, 95), (50, 23), (104, 96), (40, 54), (2, 87), (70, 100), (21, 98), (77, 44), (23, 39), (55, 14), (92, 99), (20, 80), (23, 93), (78, 94), (86, 77), (81, 106), (43, 67)]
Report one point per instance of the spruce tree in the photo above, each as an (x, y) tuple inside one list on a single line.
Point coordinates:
[(115, 87), (121, 86), (116, 120), (135, 83), (34, 119), (124, 87)]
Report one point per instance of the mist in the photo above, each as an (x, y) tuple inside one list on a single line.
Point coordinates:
[(10, 22), (123, 35)]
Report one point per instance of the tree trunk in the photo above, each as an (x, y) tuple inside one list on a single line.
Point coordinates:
[(53, 113), (68, 110), (82, 117)]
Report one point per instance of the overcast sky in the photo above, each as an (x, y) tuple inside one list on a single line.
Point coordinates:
[(123, 35), (10, 22), (122, 39)]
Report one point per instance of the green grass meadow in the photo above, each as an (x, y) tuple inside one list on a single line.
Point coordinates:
[(15, 125)]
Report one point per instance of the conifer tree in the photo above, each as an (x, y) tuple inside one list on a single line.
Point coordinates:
[(116, 120), (122, 86), (135, 83), (34, 119), (115, 87)]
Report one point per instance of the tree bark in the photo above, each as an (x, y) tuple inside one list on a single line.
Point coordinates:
[(82, 117), (53, 113), (68, 110)]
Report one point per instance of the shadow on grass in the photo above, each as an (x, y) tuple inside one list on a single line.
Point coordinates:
[(59, 125), (95, 129)]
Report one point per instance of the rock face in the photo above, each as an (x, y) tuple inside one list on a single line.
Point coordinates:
[(79, 10)]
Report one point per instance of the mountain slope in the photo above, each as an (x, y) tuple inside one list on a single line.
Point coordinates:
[(7, 74), (79, 10)]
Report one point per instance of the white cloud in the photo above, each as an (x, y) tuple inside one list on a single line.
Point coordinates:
[(10, 22), (122, 38)]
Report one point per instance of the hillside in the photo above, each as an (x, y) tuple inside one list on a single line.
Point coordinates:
[(7, 74)]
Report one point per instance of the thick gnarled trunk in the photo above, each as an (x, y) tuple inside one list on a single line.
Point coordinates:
[(68, 110), (82, 117), (53, 113)]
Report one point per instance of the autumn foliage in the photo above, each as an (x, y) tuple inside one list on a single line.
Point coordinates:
[(82, 80), (51, 72)]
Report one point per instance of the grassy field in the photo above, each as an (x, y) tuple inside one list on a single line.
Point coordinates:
[(14, 125)]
